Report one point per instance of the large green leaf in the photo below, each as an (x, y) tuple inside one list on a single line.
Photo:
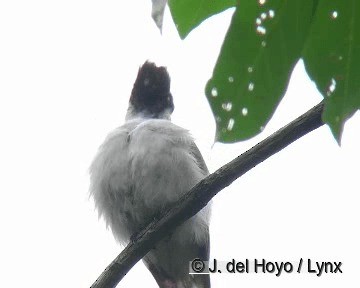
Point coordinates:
[(188, 14), (264, 42), (332, 59)]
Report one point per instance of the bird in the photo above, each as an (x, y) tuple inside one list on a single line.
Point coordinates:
[(145, 166)]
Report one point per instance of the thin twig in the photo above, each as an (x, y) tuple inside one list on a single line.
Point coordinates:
[(201, 194)]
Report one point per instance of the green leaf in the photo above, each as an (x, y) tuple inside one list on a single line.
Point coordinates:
[(188, 14), (332, 59), (264, 42)]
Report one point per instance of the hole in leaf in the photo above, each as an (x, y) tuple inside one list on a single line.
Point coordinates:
[(251, 86), (263, 43), (261, 30), (227, 106), (258, 21), (334, 14), (231, 79), (332, 87), (230, 124), (263, 16), (250, 69), (271, 13), (214, 92), (244, 111), (262, 2)]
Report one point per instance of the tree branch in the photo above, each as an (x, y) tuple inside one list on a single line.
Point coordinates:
[(201, 194)]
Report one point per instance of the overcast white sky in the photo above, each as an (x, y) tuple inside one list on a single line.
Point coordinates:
[(66, 72)]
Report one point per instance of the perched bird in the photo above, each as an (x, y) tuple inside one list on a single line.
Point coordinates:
[(144, 166)]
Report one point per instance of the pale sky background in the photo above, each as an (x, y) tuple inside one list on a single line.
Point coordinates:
[(66, 72)]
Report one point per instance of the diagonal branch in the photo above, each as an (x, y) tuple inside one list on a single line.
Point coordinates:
[(201, 194)]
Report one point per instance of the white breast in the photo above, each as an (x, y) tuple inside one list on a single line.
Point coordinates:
[(141, 168)]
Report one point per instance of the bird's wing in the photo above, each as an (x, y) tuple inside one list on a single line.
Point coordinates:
[(203, 249), (180, 257), (194, 150)]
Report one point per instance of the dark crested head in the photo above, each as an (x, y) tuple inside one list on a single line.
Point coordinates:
[(151, 92)]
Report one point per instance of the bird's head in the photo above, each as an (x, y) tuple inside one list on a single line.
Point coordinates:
[(150, 96)]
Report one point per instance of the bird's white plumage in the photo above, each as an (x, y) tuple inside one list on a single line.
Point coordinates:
[(142, 167)]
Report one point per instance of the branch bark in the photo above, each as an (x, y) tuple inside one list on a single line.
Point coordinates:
[(201, 194)]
